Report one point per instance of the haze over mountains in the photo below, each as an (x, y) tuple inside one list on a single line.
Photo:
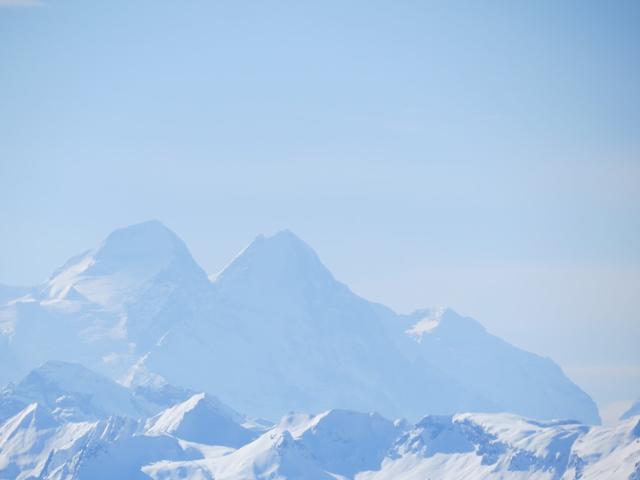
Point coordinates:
[(273, 332)]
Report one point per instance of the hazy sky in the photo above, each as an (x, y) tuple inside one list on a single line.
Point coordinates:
[(482, 155)]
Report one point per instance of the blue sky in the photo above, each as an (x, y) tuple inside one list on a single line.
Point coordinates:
[(483, 155)]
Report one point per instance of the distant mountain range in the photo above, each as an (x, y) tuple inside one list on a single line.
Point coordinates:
[(273, 332), (65, 422)]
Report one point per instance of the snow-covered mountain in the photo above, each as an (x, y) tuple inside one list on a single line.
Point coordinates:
[(201, 419), (486, 446), (201, 438), (72, 392), (63, 421), (469, 446), (331, 445), (273, 332), (129, 262), (33, 444), (492, 368)]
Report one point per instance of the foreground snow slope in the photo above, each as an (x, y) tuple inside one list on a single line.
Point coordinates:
[(470, 446), (200, 438), (491, 446), (34, 445), (273, 332)]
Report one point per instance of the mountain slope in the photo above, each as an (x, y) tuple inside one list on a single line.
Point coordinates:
[(125, 264), (201, 419), (34, 445), (505, 446), (334, 444), (28, 438), (105, 307), (633, 410), (461, 348), (72, 393)]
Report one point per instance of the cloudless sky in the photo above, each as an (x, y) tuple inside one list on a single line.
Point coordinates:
[(482, 155)]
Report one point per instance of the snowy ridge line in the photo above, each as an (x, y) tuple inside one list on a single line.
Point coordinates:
[(201, 438)]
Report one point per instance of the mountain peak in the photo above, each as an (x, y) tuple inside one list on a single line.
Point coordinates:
[(203, 419), (125, 261), (284, 241), (274, 266), (59, 371), (146, 241), (70, 391), (286, 235)]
